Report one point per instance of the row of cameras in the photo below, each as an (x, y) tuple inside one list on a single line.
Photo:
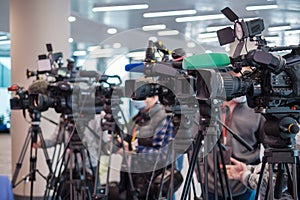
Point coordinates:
[(273, 84)]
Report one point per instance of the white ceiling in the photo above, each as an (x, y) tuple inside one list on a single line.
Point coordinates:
[(91, 28), (96, 24)]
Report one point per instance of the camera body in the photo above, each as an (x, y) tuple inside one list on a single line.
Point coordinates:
[(163, 80)]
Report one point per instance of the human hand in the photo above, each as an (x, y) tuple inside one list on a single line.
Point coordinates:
[(124, 147), (236, 170)]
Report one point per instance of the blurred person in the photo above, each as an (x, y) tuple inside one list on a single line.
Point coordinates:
[(150, 132), (249, 175)]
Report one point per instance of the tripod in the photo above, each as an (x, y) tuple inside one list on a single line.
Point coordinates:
[(282, 157), (33, 132), (208, 134), (113, 127), (72, 181)]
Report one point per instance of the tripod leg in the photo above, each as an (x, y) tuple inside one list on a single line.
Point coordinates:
[(215, 171), (48, 161), (225, 172), (260, 177), (21, 158), (198, 173), (192, 165), (218, 169), (295, 187), (271, 188), (206, 178)]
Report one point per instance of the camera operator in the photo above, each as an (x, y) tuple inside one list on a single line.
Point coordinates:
[(249, 175), (151, 131), (247, 124)]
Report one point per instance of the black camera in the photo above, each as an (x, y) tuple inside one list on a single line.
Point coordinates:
[(271, 82), (165, 79)]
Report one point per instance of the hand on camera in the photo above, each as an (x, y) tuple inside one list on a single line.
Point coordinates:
[(236, 170)]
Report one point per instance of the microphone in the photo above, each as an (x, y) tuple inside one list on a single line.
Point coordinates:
[(135, 67), (89, 74), (38, 87), (205, 61)]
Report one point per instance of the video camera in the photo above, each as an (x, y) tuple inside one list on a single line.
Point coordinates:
[(165, 79), (75, 92), (271, 85)]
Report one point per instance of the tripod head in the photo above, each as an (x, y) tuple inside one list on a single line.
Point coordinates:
[(35, 115), (281, 127)]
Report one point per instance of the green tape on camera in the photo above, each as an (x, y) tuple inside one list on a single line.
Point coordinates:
[(206, 61)]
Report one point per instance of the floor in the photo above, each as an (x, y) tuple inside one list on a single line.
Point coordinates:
[(5, 154), (6, 163)]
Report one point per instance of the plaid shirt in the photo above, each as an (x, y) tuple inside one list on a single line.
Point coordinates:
[(164, 133)]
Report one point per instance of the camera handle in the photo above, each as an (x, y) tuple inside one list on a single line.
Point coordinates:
[(236, 136), (33, 132)]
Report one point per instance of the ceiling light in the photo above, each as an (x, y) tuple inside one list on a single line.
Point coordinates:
[(170, 13), (154, 27), (71, 19), (169, 32), (271, 38), (117, 45), (3, 37), (209, 40), (70, 40), (137, 54), (191, 44), (93, 48), (199, 18), (262, 7), (112, 31), (279, 27), (292, 31), (4, 42), (79, 53), (153, 38), (121, 7), (207, 35)]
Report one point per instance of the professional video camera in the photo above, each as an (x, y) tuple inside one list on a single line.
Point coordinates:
[(165, 79), (271, 85), (173, 86), (71, 92)]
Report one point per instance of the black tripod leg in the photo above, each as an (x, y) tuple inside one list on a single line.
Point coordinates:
[(260, 177), (206, 178), (225, 172), (192, 165), (48, 161), (199, 175), (218, 169), (271, 188), (295, 187), (21, 158), (215, 172)]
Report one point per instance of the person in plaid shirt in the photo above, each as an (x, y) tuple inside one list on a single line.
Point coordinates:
[(148, 145)]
